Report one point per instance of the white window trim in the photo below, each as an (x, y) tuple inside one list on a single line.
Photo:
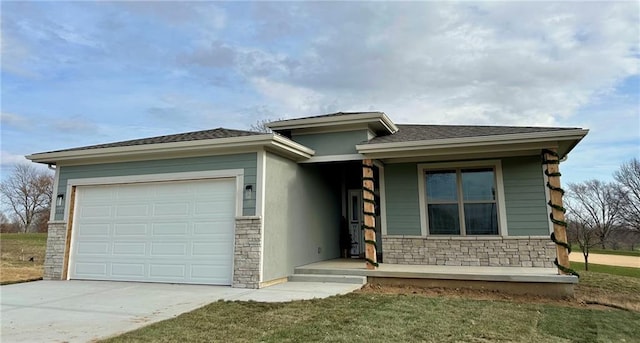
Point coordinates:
[(495, 164), (383, 197)]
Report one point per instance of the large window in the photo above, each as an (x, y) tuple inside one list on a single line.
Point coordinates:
[(461, 201)]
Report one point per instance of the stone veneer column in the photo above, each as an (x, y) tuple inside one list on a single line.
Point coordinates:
[(247, 252), (54, 257)]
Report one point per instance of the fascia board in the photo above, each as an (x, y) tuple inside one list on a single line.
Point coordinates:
[(552, 136), (335, 120), (210, 145)]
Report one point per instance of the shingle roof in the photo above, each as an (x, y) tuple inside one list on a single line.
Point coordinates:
[(408, 133), (180, 137)]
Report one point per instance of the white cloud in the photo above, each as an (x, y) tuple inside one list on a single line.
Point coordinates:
[(465, 62), (77, 125), (14, 121), (8, 158), (291, 98)]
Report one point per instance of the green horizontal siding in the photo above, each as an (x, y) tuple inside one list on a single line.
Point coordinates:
[(333, 143), (402, 205), (525, 196), (176, 165)]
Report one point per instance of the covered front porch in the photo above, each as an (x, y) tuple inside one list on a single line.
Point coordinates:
[(514, 280)]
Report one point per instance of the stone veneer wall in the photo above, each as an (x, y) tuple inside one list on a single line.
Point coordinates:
[(54, 257), (470, 251), (247, 252)]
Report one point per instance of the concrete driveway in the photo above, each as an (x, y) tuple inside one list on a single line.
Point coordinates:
[(82, 311)]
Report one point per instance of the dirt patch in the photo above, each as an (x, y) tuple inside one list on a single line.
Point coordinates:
[(585, 297)]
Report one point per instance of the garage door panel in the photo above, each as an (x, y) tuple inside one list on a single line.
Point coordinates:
[(211, 227), (93, 270), (130, 249), (95, 230), (163, 229), (212, 208), (165, 271), (131, 210), (92, 248), (159, 231), (95, 211), (172, 209), (128, 270), (168, 249), (210, 249), (200, 272), (135, 229), (133, 191)]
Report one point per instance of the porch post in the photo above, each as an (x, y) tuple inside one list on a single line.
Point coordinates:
[(369, 210), (552, 162)]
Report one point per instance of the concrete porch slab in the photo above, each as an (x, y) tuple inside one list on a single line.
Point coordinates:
[(471, 273), (514, 280)]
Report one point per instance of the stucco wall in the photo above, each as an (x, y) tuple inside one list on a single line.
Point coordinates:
[(302, 217)]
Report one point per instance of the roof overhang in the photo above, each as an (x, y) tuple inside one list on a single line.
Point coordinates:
[(524, 143), (377, 122), (271, 142)]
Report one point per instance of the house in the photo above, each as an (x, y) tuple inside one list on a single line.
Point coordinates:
[(240, 208)]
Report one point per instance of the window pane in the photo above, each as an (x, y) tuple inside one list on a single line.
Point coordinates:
[(441, 186), (443, 220), (481, 219), (478, 184)]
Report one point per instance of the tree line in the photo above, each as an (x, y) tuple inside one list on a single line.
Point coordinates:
[(26, 196), (605, 214)]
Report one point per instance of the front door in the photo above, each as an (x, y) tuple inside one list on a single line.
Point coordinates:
[(355, 223)]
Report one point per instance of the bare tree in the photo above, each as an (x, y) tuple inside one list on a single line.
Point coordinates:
[(27, 193), (261, 125), (628, 176), (580, 232), (596, 206)]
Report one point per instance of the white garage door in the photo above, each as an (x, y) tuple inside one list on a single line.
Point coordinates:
[(178, 232)]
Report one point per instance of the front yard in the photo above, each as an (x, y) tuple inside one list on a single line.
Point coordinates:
[(606, 308), (370, 316)]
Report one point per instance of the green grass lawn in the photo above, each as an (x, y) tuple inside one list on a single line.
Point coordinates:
[(372, 317), (16, 249), (576, 248), (362, 317), (613, 270)]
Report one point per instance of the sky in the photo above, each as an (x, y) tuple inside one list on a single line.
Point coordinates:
[(82, 73)]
